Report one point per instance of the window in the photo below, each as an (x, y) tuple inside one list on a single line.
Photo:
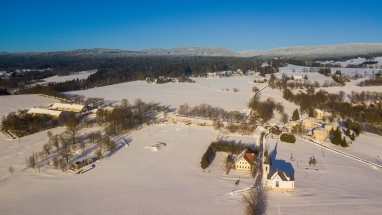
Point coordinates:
[(277, 183), (266, 168)]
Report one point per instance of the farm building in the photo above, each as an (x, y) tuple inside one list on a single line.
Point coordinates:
[(40, 111), (244, 161), (260, 80), (80, 164), (211, 74), (69, 107)]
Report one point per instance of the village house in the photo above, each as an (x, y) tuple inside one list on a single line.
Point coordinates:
[(244, 161), (108, 109), (329, 127), (69, 107), (308, 123), (319, 134), (318, 114), (298, 78), (275, 130), (39, 111)]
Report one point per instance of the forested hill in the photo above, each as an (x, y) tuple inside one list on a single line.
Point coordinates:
[(329, 52), (121, 69)]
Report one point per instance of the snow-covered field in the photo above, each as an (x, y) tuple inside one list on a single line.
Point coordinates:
[(138, 180), (80, 75), (132, 181), (15, 102), (207, 91)]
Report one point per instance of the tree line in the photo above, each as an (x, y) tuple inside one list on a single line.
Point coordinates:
[(22, 124)]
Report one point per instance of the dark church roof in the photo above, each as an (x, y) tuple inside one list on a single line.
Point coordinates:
[(283, 175)]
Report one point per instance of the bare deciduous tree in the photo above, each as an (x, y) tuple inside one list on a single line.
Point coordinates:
[(255, 89), (47, 148), (256, 201), (280, 107), (99, 154), (284, 118), (66, 150), (72, 123), (82, 144)]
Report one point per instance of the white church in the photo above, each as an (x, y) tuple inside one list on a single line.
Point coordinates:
[(276, 179)]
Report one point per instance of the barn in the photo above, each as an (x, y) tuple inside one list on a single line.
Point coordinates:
[(69, 107)]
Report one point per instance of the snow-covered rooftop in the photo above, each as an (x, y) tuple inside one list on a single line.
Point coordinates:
[(67, 106), (44, 111)]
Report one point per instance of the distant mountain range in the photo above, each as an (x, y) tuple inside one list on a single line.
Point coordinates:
[(309, 52), (299, 52)]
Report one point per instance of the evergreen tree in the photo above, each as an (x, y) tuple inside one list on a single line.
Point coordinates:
[(347, 132), (295, 115), (343, 142), (352, 137), (336, 137)]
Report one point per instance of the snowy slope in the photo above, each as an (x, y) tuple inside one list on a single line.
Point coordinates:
[(207, 91), (15, 102)]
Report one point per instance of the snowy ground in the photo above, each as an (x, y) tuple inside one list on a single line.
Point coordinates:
[(355, 61), (15, 102), (80, 75), (170, 181), (367, 146), (136, 180)]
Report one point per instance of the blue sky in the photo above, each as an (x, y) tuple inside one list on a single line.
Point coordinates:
[(30, 25)]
